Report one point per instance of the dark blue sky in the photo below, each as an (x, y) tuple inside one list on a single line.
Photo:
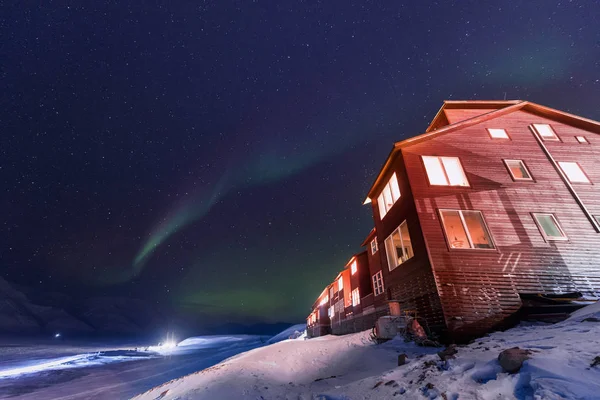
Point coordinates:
[(212, 156)]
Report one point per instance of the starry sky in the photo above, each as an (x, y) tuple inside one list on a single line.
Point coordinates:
[(212, 156)]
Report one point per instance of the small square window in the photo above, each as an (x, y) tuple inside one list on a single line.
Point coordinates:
[(573, 172), (581, 139), (373, 246), (497, 133), (545, 131), (549, 227), (518, 170)]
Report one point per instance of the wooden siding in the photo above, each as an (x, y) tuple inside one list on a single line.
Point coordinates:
[(454, 116), (412, 283), (479, 288)]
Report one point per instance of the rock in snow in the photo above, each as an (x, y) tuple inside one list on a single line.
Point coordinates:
[(353, 367), (511, 360)]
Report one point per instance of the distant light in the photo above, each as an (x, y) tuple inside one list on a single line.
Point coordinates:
[(169, 344), (57, 335)]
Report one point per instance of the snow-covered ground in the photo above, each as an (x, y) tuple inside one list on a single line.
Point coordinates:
[(352, 367), (33, 370)]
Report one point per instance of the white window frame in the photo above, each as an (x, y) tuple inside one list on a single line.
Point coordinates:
[(524, 167), (340, 283), (392, 189), (553, 135), (561, 165), (373, 246), (498, 134), (405, 256), (440, 160), (378, 286), (541, 229), (582, 139), (464, 225), (355, 297)]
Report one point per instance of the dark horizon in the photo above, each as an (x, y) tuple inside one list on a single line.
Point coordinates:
[(212, 159)]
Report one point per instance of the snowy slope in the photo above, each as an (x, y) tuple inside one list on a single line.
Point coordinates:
[(294, 331), (351, 367)]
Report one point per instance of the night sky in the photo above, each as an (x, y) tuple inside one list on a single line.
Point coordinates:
[(212, 156)]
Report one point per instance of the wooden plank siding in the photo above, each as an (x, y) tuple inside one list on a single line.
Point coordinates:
[(479, 288), (412, 283), (374, 261)]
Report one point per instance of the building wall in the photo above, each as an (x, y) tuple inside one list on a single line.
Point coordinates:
[(412, 283), (361, 280), (358, 323), (374, 261), (479, 288)]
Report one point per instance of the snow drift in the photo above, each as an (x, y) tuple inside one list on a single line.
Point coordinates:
[(352, 366), (293, 332)]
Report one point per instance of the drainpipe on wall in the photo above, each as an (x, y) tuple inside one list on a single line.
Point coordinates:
[(564, 178)]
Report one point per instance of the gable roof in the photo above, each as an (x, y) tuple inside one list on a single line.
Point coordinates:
[(369, 237), (499, 107)]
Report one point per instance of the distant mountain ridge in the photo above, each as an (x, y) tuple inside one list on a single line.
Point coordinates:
[(21, 313)]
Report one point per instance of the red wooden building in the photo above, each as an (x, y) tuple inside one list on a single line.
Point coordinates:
[(495, 200), (318, 322)]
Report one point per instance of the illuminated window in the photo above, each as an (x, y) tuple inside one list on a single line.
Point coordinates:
[(353, 267), (518, 170), (466, 229), (389, 195), (324, 301), (573, 172), (331, 312), (373, 246), (355, 297), (398, 246), (340, 283), (498, 133), (549, 227), (545, 131), (445, 171), (331, 291), (378, 284), (581, 139)]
